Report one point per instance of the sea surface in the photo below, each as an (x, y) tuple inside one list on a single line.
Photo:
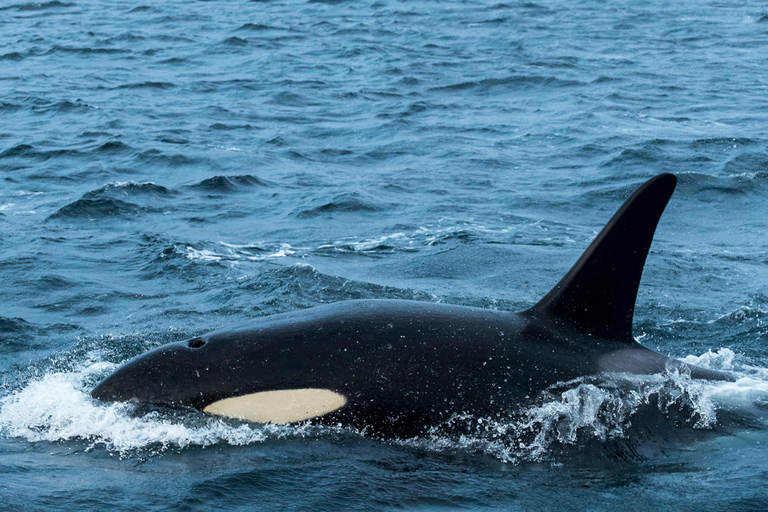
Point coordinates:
[(170, 168)]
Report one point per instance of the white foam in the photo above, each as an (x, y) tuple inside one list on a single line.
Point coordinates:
[(285, 250), (425, 236), (741, 314), (603, 408), (235, 253), (437, 232), (204, 255), (722, 359), (743, 394), (252, 245), (130, 183), (370, 244), (58, 407)]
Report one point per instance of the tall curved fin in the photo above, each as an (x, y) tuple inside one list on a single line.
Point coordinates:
[(597, 296)]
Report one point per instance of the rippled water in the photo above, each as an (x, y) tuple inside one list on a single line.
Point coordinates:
[(176, 167)]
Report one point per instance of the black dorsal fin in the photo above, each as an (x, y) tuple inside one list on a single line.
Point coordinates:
[(597, 296)]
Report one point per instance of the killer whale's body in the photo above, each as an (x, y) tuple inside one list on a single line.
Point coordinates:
[(397, 368)]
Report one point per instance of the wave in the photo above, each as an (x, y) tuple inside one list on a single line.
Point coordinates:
[(748, 164), (353, 202), (112, 201), (232, 252), (39, 6), (448, 231), (386, 244), (223, 126), (302, 285), (512, 82), (113, 147), (230, 183), (124, 37), (155, 156), (14, 56), (159, 256), (235, 41), (128, 188), (729, 185), (645, 155), (76, 107), (42, 106), (147, 85), (407, 239), (746, 315), (616, 414), (743, 171), (28, 151), (293, 99), (95, 209), (15, 326), (10, 107), (174, 60), (723, 143), (590, 413), (19, 335), (748, 324), (58, 408), (86, 50), (404, 239), (259, 27), (612, 411)]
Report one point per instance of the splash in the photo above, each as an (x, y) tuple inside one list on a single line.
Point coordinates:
[(610, 407), (57, 407), (237, 253)]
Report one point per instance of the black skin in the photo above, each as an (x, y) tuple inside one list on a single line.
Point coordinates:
[(404, 366)]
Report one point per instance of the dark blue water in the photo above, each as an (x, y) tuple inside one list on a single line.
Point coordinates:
[(174, 167)]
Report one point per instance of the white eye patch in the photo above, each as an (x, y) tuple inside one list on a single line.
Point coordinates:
[(283, 406)]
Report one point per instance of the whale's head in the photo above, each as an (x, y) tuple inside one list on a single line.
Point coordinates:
[(207, 374), (169, 375)]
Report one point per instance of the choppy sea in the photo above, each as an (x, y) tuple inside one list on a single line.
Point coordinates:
[(171, 168)]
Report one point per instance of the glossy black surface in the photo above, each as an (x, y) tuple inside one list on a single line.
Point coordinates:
[(407, 367)]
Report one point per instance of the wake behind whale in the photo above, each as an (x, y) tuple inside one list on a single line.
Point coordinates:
[(399, 369)]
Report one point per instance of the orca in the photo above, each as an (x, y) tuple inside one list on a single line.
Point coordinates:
[(398, 368)]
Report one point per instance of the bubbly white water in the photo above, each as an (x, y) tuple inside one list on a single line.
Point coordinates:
[(235, 253), (57, 407)]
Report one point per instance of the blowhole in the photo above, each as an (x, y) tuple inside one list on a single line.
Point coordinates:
[(196, 343)]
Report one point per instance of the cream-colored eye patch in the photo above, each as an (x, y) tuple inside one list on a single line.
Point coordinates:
[(283, 406)]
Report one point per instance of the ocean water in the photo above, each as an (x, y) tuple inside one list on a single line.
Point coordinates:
[(171, 168)]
